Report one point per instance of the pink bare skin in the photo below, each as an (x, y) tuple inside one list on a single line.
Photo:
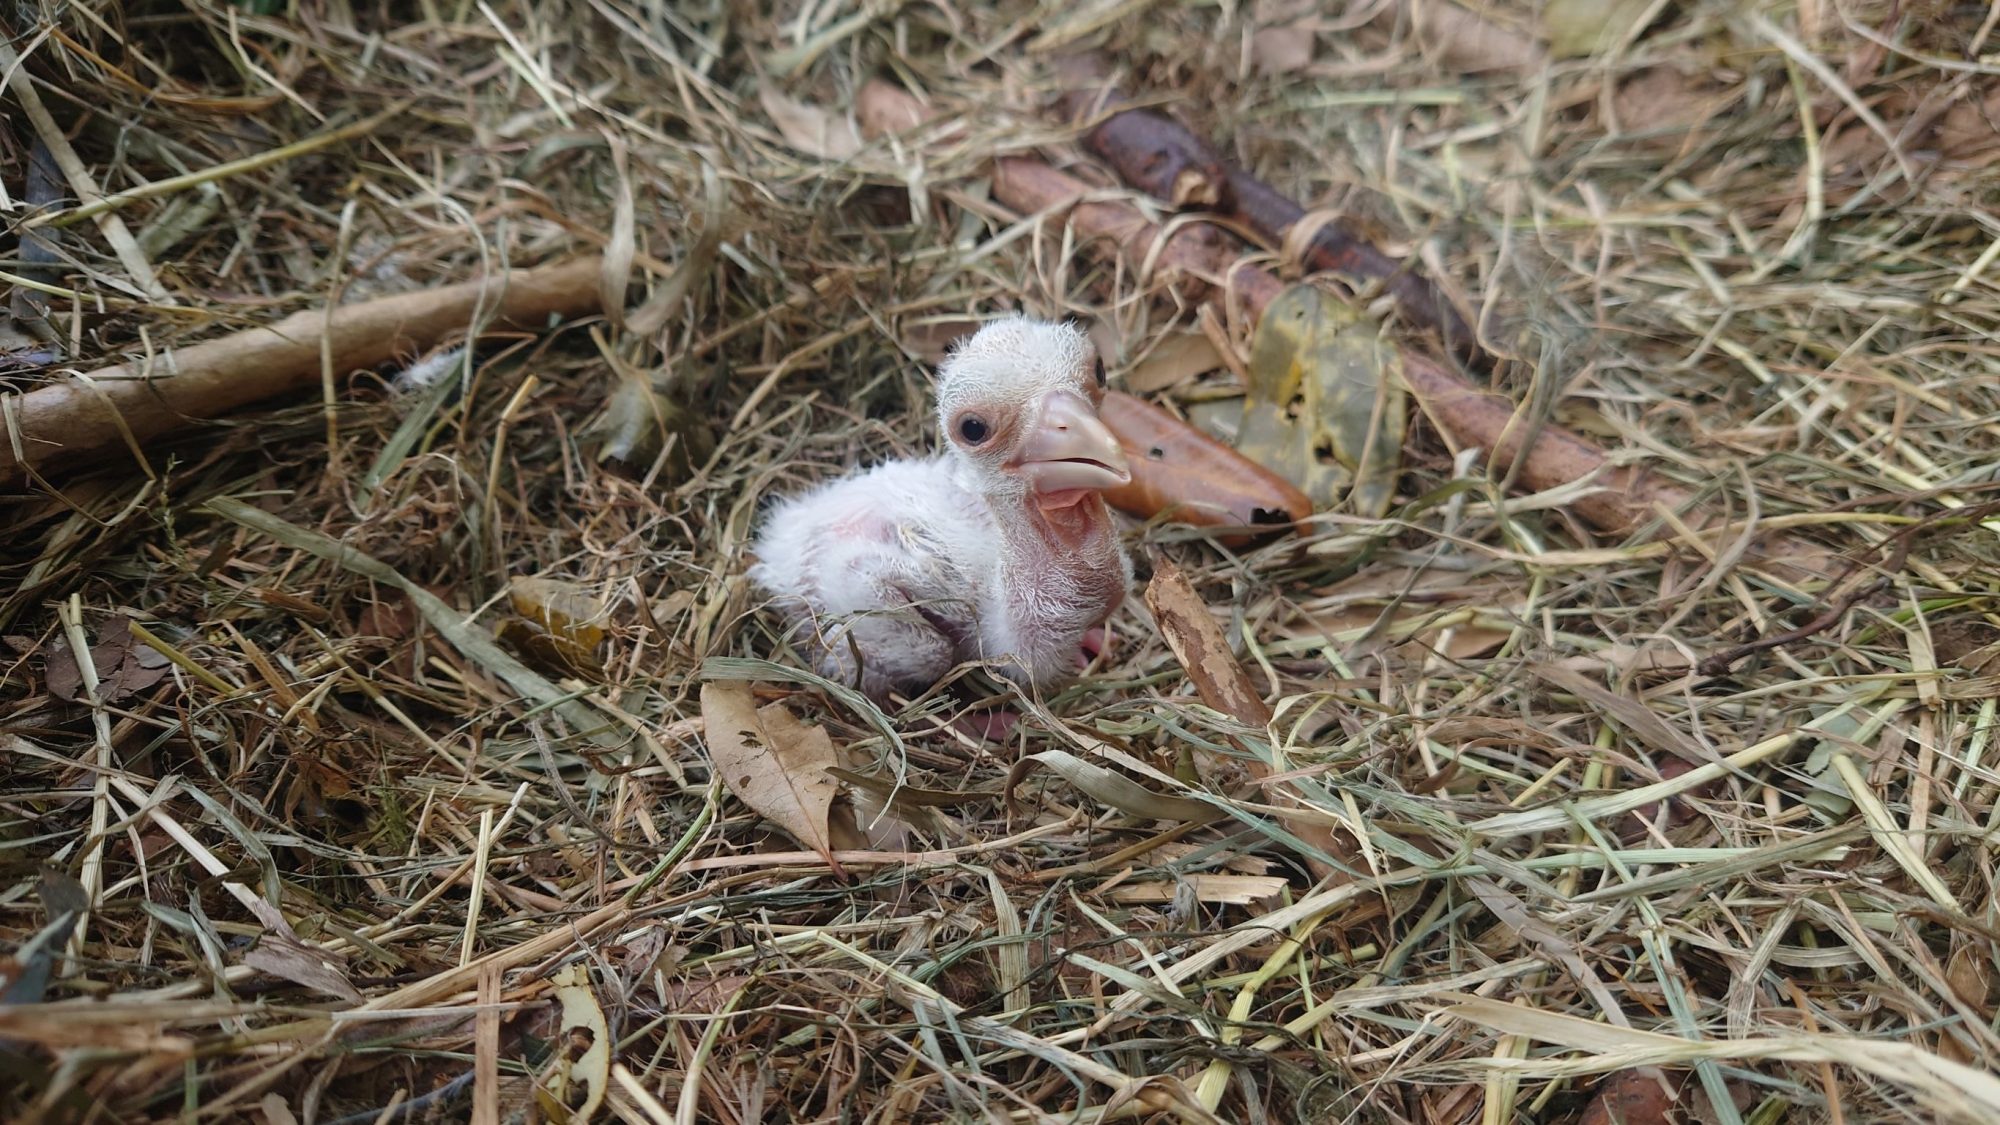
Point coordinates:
[(1001, 549)]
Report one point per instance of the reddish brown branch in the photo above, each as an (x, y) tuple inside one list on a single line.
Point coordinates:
[(1160, 156), (96, 411)]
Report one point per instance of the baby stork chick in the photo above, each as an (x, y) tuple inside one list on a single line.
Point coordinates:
[(998, 548)]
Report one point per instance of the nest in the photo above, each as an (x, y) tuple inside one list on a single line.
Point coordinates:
[(354, 762)]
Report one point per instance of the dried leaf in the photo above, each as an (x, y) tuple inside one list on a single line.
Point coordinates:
[(1641, 1096), (281, 953), (275, 1111), (772, 762), (1230, 890), (584, 1048), (930, 340), (391, 619), (1638, 719), (1655, 658), (1970, 974), (1970, 129), (1577, 28), (1970, 644), (1657, 99), (639, 422), (560, 607), (1325, 405), (124, 668), (1178, 358), (558, 626), (289, 959), (809, 128), (1282, 50), (1110, 787), (1471, 43)]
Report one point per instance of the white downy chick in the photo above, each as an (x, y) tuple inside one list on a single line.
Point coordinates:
[(998, 548)]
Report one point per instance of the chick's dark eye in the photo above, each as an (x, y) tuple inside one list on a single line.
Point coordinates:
[(1100, 372), (973, 430)]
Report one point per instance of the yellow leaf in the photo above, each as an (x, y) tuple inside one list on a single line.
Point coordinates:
[(583, 1025), (1325, 406), (1577, 28)]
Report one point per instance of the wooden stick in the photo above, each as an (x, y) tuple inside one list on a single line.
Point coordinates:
[(130, 403)]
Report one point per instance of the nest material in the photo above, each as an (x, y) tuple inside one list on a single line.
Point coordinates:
[(302, 840)]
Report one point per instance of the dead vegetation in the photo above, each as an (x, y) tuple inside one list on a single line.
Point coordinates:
[(411, 748)]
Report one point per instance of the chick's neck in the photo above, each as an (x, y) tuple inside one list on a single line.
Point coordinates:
[(1063, 559), (1039, 535)]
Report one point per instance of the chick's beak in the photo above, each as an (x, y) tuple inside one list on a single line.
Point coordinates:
[(1067, 453)]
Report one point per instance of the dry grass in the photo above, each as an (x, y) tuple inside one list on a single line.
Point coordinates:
[(334, 858)]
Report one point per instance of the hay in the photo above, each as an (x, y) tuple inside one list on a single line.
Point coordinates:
[(309, 811)]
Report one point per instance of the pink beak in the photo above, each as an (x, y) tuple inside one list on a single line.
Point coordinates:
[(1068, 453)]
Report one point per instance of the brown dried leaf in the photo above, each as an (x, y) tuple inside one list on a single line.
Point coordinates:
[(639, 422), (1230, 890), (1659, 99), (558, 627), (560, 607), (1971, 128), (1970, 974), (1282, 50), (124, 668), (1639, 720), (1178, 358), (289, 959), (1473, 44), (1641, 1096), (930, 340), (772, 762), (585, 1048), (809, 128)]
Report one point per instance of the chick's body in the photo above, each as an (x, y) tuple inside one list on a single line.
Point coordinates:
[(999, 548)]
